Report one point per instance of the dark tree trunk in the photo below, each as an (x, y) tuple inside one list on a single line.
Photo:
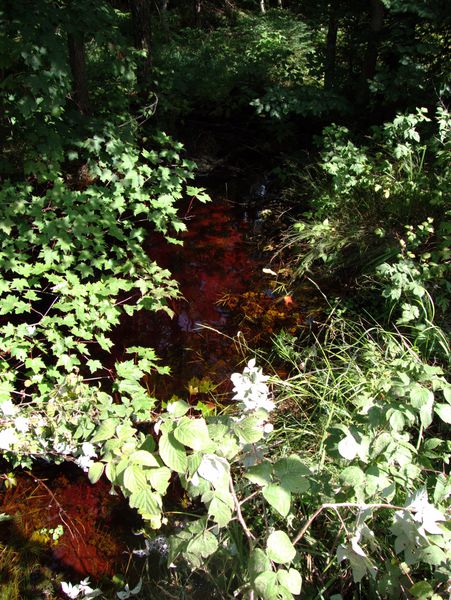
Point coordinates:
[(77, 64), (143, 40), (197, 12), (377, 13), (331, 46)]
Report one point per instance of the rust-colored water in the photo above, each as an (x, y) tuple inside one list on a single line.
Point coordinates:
[(220, 277), (216, 258)]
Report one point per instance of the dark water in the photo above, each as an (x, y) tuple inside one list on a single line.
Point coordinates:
[(218, 258)]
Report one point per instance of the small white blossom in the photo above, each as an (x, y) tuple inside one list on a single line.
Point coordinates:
[(88, 449), (63, 448), (73, 591), (21, 424), (31, 329), (8, 438), (251, 389), (268, 427), (84, 462), (8, 408)]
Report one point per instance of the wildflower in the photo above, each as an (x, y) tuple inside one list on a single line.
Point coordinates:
[(8, 438), (73, 591), (251, 389), (88, 449), (21, 424), (8, 408), (84, 462)]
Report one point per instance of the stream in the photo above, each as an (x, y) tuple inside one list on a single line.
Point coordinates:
[(219, 270)]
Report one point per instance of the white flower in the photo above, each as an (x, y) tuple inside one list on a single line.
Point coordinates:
[(84, 462), (63, 448), (88, 449), (8, 438), (73, 591), (268, 427), (21, 424), (8, 408), (251, 389)]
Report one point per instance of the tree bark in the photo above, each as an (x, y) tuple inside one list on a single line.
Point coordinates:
[(262, 7), (197, 12), (331, 46), (77, 64), (377, 13), (143, 40)]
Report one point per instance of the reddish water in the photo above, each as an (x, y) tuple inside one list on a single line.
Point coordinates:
[(216, 259)]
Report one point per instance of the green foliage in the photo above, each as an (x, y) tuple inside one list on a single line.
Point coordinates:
[(377, 216), (255, 53)]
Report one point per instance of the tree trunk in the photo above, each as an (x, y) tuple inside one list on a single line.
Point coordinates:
[(197, 12), (279, 3), (262, 7), (331, 46), (376, 10), (376, 23), (143, 40), (77, 64)]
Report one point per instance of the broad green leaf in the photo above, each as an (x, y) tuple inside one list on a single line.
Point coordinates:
[(352, 476), (159, 479), (380, 444), (203, 545), (215, 470), (105, 431), (178, 408), (134, 478), (444, 412), (5, 390), (220, 511), (279, 547), (292, 474), (146, 501), (290, 579), (258, 562), (433, 555), (426, 414), (249, 430), (420, 395), (192, 433), (397, 420), (95, 472), (260, 474), (361, 565), (266, 585), (278, 497), (142, 457), (172, 453), (422, 590)]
